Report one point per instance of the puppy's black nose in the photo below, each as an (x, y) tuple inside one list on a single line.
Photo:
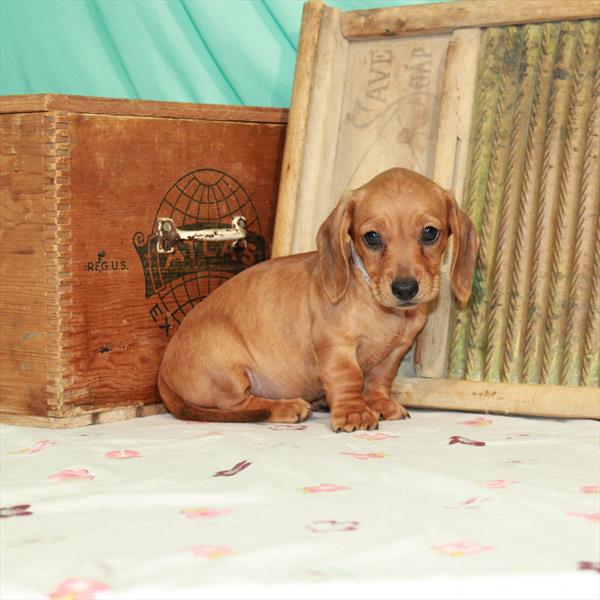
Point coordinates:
[(405, 289)]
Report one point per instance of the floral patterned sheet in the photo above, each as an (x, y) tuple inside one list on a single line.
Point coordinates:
[(445, 505)]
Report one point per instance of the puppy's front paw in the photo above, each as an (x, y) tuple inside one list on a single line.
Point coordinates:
[(386, 408), (353, 415)]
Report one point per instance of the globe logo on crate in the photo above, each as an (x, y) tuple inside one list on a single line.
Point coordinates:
[(177, 281)]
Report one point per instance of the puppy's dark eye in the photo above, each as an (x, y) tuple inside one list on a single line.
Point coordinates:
[(429, 235), (372, 239)]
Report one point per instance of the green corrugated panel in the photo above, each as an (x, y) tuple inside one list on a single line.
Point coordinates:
[(532, 189)]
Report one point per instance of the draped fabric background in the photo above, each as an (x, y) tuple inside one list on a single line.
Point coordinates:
[(208, 51)]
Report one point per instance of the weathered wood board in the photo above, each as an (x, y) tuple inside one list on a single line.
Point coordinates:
[(87, 304), (497, 102)]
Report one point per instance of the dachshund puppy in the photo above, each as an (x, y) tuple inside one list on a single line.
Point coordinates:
[(333, 323)]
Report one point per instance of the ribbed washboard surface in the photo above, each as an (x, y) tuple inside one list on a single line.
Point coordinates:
[(532, 189)]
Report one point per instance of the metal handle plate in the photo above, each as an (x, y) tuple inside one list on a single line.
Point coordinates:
[(168, 234)]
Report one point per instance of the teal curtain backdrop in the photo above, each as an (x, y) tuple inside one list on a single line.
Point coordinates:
[(207, 51)]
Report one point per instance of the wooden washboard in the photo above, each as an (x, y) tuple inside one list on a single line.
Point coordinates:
[(499, 102)]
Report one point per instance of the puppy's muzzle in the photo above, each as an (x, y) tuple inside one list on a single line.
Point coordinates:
[(405, 289)]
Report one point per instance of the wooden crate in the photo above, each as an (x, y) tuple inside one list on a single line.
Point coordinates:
[(87, 304), (498, 102)]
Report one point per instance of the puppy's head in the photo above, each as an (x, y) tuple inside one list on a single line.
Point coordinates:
[(399, 224)]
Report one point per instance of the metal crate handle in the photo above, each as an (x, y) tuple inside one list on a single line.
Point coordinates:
[(168, 234)]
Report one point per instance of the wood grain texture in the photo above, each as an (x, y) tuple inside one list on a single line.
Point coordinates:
[(390, 110), (140, 108), (451, 153), (106, 415), (87, 304), (322, 130), (362, 108), (438, 18), (532, 191), (113, 339), (502, 398), (24, 284), (58, 230), (304, 81)]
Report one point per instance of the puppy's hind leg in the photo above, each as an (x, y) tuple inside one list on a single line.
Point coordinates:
[(250, 409)]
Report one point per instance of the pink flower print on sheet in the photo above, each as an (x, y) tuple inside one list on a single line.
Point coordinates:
[(462, 548), (203, 513), (330, 526), (78, 589), (364, 455), (595, 517), (588, 565), (69, 474), (20, 510), (41, 445), (590, 489), (37, 447), (375, 437), (477, 422), (520, 461), (325, 574), (211, 552), (498, 484), (123, 454), (459, 439), (324, 487), (472, 503)]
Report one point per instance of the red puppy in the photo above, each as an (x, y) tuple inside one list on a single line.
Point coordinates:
[(333, 323)]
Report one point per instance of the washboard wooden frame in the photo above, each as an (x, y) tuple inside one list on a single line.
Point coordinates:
[(498, 101)]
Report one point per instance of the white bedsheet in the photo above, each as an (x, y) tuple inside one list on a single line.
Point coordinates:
[(445, 505)]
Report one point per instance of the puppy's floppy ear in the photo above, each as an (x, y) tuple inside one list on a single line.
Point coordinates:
[(333, 247), (465, 247)]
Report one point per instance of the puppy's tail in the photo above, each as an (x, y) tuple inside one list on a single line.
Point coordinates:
[(181, 409)]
